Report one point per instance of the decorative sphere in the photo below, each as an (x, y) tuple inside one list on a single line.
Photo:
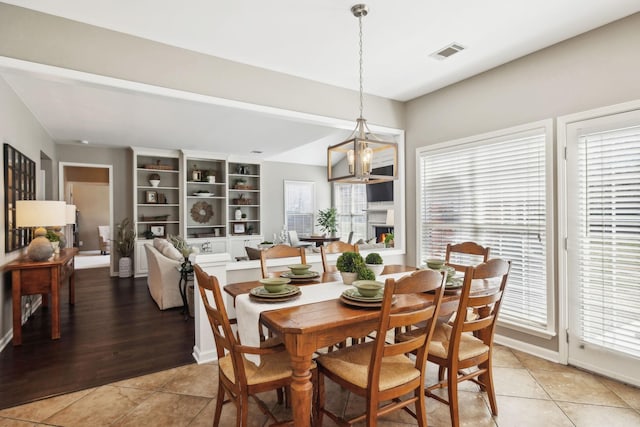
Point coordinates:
[(40, 249)]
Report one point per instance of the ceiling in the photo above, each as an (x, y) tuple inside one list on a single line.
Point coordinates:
[(314, 39)]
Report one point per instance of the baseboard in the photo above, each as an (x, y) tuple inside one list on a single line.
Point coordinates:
[(8, 337), (204, 357), (543, 353)]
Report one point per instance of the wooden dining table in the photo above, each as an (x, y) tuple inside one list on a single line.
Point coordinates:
[(309, 327)]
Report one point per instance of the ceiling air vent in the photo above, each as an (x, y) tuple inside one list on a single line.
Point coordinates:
[(447, 51)]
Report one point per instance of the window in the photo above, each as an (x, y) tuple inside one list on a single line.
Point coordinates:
[(299, 206), (492, 189), (350, 201)]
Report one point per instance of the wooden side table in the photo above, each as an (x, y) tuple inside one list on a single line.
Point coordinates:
[(41, 277)]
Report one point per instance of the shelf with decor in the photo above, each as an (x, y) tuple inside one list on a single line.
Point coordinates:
[(244, 185), (156, 198), (205, 196)]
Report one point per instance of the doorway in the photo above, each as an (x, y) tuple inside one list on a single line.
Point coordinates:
[(90, 188), (603, 244)]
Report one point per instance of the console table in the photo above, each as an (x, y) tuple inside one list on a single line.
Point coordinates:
[(41, 277)]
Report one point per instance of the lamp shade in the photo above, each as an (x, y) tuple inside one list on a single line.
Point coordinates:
[(71, 214), (40, 213)]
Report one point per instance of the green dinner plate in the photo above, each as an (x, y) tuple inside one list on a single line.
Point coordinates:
[(309, 275), (354, 295), (261, 292)]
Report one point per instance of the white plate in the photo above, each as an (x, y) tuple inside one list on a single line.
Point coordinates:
[(203, 194)]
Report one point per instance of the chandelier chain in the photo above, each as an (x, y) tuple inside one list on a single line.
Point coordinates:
[(360, 54)]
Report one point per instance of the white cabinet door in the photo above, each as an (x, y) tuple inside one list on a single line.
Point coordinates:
[(140, 258)]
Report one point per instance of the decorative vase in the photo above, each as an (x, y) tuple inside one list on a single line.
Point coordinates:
[(124, 267), (238, 214), (154, 182), (40, 249), (348, 278), (376, 268)]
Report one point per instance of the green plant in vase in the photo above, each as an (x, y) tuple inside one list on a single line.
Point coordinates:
[(374, 262), (328, 220), (349, 264)]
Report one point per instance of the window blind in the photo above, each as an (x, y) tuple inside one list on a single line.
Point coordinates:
[(350, 201), (299, 197), (609, 238), (493, 192)]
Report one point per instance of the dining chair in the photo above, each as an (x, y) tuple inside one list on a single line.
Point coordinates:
[(280, 251), (295, 241), (238, 377), (337, 247), (382, 372), (465, 254), (468, 342)]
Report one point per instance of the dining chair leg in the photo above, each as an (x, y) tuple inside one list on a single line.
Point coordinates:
[(441, 370), (372, 414), (319, 404), (219, 403), (487, 380), (452, 389), (421, 410), (243, 411)]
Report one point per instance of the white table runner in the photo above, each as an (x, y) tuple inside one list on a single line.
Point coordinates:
[(248, 311)]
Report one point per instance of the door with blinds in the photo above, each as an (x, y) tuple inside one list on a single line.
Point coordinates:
[(603, 245)]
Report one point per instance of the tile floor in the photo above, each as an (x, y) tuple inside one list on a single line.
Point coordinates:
[(531, 392)]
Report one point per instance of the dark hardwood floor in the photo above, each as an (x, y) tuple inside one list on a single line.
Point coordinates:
[(115, 331)]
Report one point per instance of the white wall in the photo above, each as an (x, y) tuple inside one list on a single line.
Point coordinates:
[(20, 129), (592, 70)]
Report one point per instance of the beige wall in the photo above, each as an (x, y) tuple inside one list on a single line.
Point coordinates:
[(92, 202), (41, 38), (19, 128), (595, 69)]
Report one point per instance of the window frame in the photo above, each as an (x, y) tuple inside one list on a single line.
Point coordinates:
[(312, 213), (551, 328)]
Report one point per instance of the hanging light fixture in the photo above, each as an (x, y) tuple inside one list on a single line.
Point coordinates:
[(357, 159)]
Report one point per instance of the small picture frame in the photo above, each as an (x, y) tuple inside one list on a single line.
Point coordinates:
[(157, 230), (151, 196), (239, 228)]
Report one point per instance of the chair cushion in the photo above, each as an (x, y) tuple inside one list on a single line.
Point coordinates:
[(352, 364), (470, 346), (272, 367), (160, 244)]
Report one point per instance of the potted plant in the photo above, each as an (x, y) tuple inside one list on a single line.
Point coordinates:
[(328, 221), (374, 262), (125, 241), (388, 240), (54, 239), (348, 264)]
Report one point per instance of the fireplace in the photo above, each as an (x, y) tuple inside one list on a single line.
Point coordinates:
[(380, 230)]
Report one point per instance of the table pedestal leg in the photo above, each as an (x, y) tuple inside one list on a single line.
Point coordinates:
[(301, 390)]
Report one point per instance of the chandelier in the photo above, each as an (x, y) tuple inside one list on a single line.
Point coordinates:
[(361, 158)]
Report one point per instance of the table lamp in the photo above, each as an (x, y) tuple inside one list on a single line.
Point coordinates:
[(40, 213)]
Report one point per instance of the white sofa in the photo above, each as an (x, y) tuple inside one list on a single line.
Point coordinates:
[(163, 261)]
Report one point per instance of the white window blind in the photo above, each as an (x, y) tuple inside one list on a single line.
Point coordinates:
[(493, 191), (350, 201), (299, 206), (609, 246)]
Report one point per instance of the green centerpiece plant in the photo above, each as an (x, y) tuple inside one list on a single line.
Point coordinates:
[(350, 266), (374, 263)]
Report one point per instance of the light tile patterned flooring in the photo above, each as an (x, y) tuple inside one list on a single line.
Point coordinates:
[(531, 392)]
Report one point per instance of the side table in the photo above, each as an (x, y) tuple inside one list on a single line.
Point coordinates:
[(41, 277), (186, 275)]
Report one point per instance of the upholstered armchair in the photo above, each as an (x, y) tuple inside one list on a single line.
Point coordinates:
[(104, 241)]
